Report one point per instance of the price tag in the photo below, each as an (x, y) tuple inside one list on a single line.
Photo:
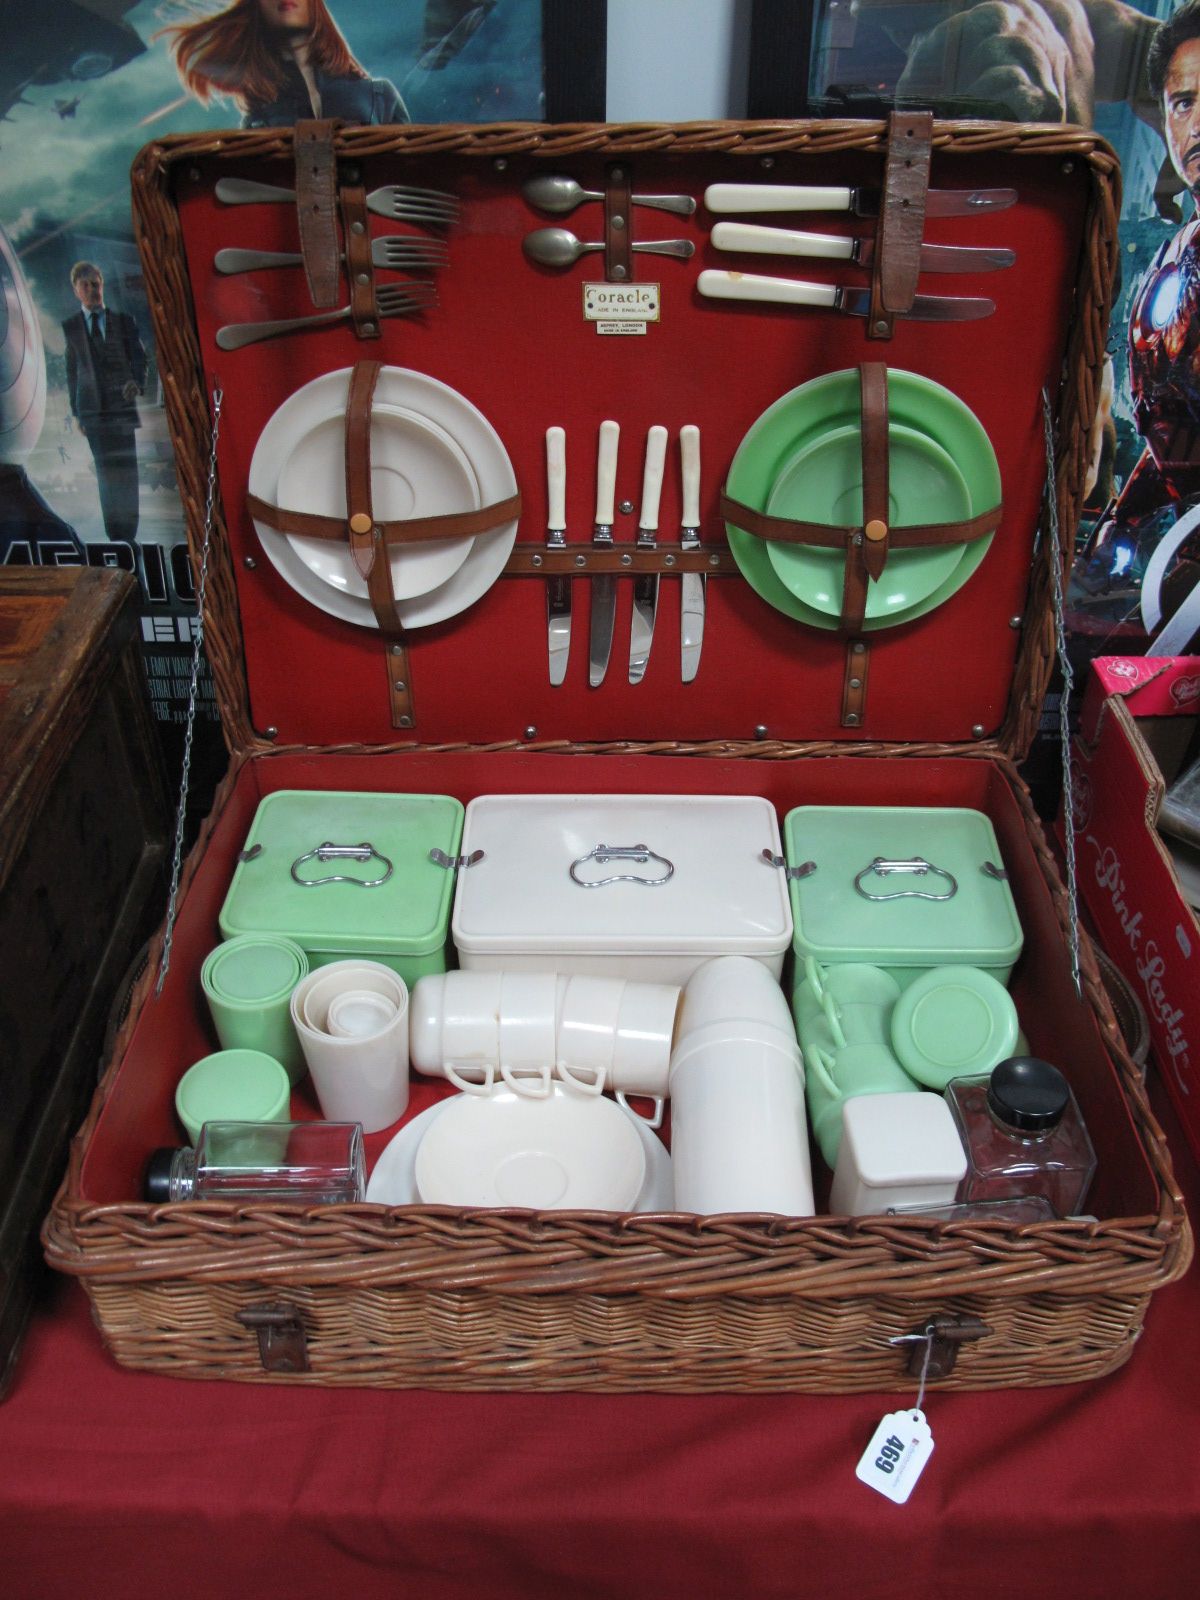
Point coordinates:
[(896, 1455)]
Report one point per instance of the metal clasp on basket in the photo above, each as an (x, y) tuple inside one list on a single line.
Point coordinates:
[(604, 853), (341, 852), (453, 863), (792, 874), (282, 1346), (917, 866), (934, 1348)]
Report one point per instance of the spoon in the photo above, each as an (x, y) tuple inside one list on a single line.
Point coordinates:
[(558, 247), (558, 195)]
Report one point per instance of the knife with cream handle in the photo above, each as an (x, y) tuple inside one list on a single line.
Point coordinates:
[(645, 587), (558, 588), (743, 197), (691, 593), (604, 584), (752, 236), (836, 297)]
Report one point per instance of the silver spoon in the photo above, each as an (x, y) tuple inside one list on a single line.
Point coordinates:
[(558, 247), (558, 195)]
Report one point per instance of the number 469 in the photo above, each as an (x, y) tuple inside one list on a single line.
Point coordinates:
[(889, 1453)]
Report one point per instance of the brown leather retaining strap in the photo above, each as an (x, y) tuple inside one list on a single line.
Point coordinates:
[(901, 221), (854, 686), (530, 560), (316, 208), (360, 269), (413, 530), (832, 536), (866, 549), (365, 538), (618, 256)]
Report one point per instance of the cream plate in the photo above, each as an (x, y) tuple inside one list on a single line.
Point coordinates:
[(442, 407), (393, 1181), (417, 470)]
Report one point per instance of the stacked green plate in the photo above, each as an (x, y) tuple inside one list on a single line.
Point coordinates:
[(803, 459)]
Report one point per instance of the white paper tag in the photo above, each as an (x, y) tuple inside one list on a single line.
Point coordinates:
[(896, 1455)]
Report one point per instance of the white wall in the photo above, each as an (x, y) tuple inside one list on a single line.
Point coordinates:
[(677, 60)]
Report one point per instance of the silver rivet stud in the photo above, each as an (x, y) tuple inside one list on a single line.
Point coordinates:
[(249, 563), (618, 173), (358, 227), (363, 277), (271, 733), (194, 174), (500, 164), (580, 561), (618, 273), (760, 731), (767, 161), (852, 720), (668, 561), (625, 507), (977, 732), (535, 561), (397, 649), (626, 560), (530, 732), (1067, 166), (881, 327), (714, 561), (405, 722), (618, 221), (856, 683), (368, 327), (1014, 622), (858, 648)]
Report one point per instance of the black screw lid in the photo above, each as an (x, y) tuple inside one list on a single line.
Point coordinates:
[(156, 1185), (1027, 1094)]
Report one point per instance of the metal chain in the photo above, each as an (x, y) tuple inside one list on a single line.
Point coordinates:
[(197, 646), (1068, 683)]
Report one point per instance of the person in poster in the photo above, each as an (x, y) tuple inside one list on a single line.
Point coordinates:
[(280, 61)]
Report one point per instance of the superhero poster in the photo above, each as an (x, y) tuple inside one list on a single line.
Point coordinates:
[(1132, 71), (86, 468)]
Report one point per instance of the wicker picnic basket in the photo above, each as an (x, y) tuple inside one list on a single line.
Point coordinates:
[(433, 1297)]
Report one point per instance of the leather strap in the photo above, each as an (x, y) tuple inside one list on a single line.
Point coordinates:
[(866, 549), (854, 686), (414, 530), (360, 269), (528, 560), (833, 536), (901, 223), (316, 208), (360, 527), (618, 256)]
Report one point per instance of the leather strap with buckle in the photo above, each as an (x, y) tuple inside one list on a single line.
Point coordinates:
[(316, 208), (901, 223)]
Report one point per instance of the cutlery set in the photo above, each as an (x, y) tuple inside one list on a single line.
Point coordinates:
[(603, 609), (426, 208), (559, 247)]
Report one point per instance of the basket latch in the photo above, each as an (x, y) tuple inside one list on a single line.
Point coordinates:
[(282, 1345), (933, 1349)]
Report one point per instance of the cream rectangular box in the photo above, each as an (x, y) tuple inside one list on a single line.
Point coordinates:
[(620, 885)]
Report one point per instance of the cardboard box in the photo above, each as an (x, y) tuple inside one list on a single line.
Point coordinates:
[(1135, 723)]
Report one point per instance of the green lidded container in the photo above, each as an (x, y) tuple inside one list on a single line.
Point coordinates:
[(904, 888), (348, 874)]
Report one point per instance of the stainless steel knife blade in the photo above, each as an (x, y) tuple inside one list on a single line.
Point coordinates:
[(748, 197), (604, 584), (691, 591), (753, 237), (645, 587), (836, 297), (558, 588)]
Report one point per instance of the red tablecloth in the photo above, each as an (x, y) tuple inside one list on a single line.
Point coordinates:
[(121, 1486)]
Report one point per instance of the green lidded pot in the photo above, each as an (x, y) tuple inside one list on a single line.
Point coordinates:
[(864, 901), (375, 895)]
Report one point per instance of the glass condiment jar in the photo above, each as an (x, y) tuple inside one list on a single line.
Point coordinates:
[(1023, 1135), (313, 1162)]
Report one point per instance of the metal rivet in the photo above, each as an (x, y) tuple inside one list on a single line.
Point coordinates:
[(500, 164), (881, 327), (767, 161), (618, 221), (858, 648), (249, 563), (627, 561), (852, 720), (580, 561), (1014, 622), (368, 327), (618, 273), (530, 732), (978, 731), (760, 731), (400, 686), (358, 227), (397, 649), (270, 733), (405, 722), (1067, 166), (535, 561), (618, 173), (363, 277), (668, 561), (351, 174), (714, 561), (856, 683), (194, 174), (377, 534), (625, 507)]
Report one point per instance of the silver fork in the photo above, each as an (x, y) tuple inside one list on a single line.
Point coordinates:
[(393, 254), (393, 300), (396, 200)]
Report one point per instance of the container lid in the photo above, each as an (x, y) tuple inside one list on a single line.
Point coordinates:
[(560, 873), (900, 886), (1028, 1094), (253, 967), (902, 1139), (232, 1086), (387, 897), (952, 1022)]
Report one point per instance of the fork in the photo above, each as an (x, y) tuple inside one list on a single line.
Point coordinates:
[(394, 253), (403, 204), (392, 300)]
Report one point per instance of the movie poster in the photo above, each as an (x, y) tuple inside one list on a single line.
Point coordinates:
[(1132, 71), (86, 468)]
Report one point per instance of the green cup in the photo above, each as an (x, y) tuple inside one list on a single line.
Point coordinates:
[(248, 982), (232, 1086), (832, 1078)]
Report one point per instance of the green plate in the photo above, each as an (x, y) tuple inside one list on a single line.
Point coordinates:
[(800, 419), (822, 482)]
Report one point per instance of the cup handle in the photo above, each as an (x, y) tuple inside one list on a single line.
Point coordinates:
[(654, 1121), (814, 1057), (834, 1017), (812, 971), (582, 1084), (480, 1086), (531, 1081)]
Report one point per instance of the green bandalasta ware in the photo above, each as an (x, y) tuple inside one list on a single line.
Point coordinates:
[(248, 982), (865, 901), (377, 895)]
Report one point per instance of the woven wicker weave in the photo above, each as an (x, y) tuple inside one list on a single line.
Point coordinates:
[(432, 1297)]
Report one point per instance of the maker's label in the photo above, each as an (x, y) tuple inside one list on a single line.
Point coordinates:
[(614, 304)]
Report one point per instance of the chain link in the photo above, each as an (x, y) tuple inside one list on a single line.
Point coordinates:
[(193, 688), (1064, 704)]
